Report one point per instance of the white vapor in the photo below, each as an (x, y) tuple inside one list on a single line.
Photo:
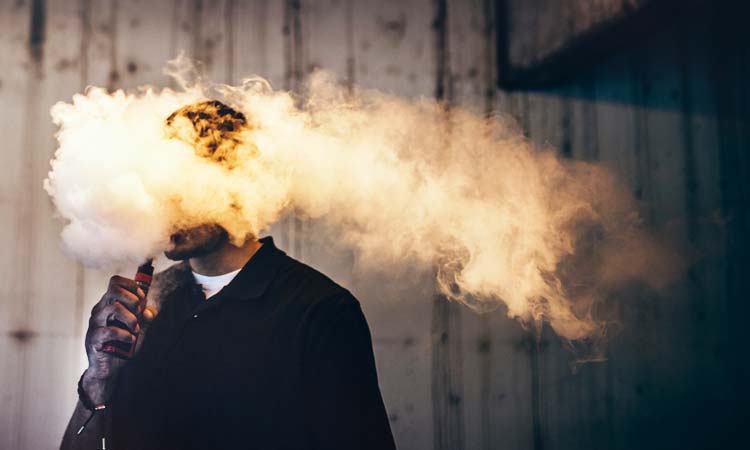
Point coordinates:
[(397, 180)]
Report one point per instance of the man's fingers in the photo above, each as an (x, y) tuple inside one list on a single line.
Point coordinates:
[(102, 335), (128, 285), (117, 312), (120, 289), (119, 294)]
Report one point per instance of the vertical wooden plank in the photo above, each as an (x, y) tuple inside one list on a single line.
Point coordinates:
[(447, 351), (316, 39), (582, 120), (258, 46), (730, 70), (619, 121), (194, 33), (616, 116), (515, 413), (208, 33), (211, 36), (703, 201), (656, 162), (143, 44), (394, 47), (398, 311), (484, 338), (660, 146), (662, 137), (43, 283), (259, 50), (471, 55), (291, 227), (99, 67), (593, 384), (51, 281), (543, 112), (447, 375), (545, 121), (467, 72), (496, 350), (214, 45), (512, 412), (14, 20), (326, 30), (705, 289), (327, 45), (100, 47), (126, 46), (575, 401), (393, 52), (567, 410), (548, 413), (15, 58)]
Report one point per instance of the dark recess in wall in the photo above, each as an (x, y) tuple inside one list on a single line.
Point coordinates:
[(582, 50)]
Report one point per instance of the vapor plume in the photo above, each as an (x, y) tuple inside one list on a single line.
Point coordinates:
[(396, 180)]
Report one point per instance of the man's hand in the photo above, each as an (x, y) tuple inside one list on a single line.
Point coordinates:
[(113, 319)]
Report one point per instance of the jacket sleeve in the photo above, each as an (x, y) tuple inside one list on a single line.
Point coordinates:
[(344, 407), (90, 437)]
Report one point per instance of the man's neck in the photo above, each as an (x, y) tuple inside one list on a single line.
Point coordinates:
[(225, 259)]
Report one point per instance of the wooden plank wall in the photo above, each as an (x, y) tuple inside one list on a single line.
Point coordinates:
[(667, 118)]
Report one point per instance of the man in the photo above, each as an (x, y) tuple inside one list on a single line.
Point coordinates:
[(245, 348)]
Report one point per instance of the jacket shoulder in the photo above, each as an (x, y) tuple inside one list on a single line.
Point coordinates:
[(312, 280)]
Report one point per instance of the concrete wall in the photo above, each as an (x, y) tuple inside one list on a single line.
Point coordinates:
[(669, 117)]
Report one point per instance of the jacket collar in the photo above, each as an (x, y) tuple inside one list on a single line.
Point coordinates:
[(250, 283), (254, 278)]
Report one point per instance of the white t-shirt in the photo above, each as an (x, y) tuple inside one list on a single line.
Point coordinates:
[(212, 285)]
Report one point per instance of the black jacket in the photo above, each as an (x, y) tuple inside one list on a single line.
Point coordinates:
[(281, 358)]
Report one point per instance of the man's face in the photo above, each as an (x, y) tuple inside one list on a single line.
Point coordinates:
[(195, 242)]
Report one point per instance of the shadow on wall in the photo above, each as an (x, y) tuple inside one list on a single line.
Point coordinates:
[(676, 370), (706, 44)]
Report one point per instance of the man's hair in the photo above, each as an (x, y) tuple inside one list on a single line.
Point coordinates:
[(211, 127)]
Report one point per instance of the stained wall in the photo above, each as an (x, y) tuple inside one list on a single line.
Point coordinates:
[(669, 116)]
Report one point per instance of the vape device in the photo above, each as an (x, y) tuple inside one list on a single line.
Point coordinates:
[(143, 279)]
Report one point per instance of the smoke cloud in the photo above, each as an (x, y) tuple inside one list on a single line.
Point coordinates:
[(397, 180)]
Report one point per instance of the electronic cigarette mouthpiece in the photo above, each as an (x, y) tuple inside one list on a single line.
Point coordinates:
[(143, 278)]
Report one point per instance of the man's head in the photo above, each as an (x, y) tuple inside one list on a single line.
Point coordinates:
[(196, 242), (215, 131)]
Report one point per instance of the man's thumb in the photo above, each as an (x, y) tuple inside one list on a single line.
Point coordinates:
[(149, 314)]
